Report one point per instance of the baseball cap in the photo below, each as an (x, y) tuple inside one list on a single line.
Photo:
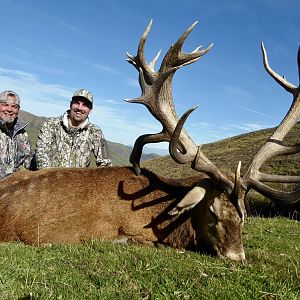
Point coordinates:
[(85, 94), (4, 98)]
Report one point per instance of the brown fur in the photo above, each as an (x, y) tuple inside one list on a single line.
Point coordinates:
[(74, 205)]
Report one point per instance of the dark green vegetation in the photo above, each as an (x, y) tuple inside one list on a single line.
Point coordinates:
[(101, 270)]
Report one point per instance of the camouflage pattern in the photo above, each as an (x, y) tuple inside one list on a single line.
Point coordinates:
[(4, 98), (85, 94), (59, 146), (15, 148)]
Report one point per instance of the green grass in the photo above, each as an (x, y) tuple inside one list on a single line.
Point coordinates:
[(101, 270)]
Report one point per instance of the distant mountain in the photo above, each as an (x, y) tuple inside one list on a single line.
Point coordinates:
[(34, 124), (160, 152), (118, 153)]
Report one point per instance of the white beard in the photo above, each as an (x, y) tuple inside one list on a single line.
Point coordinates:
[(8, 119)]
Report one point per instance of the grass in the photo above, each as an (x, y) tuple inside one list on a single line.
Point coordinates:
[(102, 270)]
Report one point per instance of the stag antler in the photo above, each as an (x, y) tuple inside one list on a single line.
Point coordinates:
[(157, 92), (157, 96), (275, 147)]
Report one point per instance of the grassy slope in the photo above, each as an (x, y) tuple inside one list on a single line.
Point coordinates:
[(227, 153), (101, 270)]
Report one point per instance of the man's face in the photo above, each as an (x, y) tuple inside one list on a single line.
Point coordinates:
[(79, 111), (9, 111)]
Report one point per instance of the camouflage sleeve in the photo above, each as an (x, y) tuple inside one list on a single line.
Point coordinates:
[(100, 149), (27, 150), (24, 149), (44, 145)]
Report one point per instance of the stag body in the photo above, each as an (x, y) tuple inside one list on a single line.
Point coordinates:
[(74, 205)]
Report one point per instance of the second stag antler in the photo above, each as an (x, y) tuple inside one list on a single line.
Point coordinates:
[(275, 145)]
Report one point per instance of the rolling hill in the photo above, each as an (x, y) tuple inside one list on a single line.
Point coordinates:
[(228, 152)]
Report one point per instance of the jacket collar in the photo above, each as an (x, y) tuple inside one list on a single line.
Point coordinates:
[(18, 126), (65, 121)]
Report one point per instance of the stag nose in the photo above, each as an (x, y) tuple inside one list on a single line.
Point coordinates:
[(237, 256)]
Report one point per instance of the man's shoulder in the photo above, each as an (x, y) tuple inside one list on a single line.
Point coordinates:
[(52, 121), (94, 128), (51, 125)]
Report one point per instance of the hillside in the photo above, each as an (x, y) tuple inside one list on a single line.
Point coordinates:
[(228, 152), (118, 153)]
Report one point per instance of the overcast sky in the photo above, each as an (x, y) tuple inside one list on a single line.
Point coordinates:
[(49, 49)]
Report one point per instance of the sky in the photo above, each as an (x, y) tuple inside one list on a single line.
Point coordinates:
[(50, 49)]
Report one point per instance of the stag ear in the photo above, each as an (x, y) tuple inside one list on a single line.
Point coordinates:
[(193, 197)]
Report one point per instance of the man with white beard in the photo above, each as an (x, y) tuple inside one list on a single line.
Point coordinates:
[(15, 147)]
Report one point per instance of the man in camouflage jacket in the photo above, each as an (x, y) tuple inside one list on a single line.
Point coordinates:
[(68, 141), (15, 148)]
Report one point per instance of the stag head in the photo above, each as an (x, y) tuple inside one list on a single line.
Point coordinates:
[(221, 215)]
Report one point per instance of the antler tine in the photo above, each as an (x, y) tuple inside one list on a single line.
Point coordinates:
[(140, 142), (152, 63), (192, 153), (275, 147), (139, 59), (280, 80), (183, 58), (141, 47), (284, 197), (184, 156)]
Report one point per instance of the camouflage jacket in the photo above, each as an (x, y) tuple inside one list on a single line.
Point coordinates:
[(15, 148), (59, 146)]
